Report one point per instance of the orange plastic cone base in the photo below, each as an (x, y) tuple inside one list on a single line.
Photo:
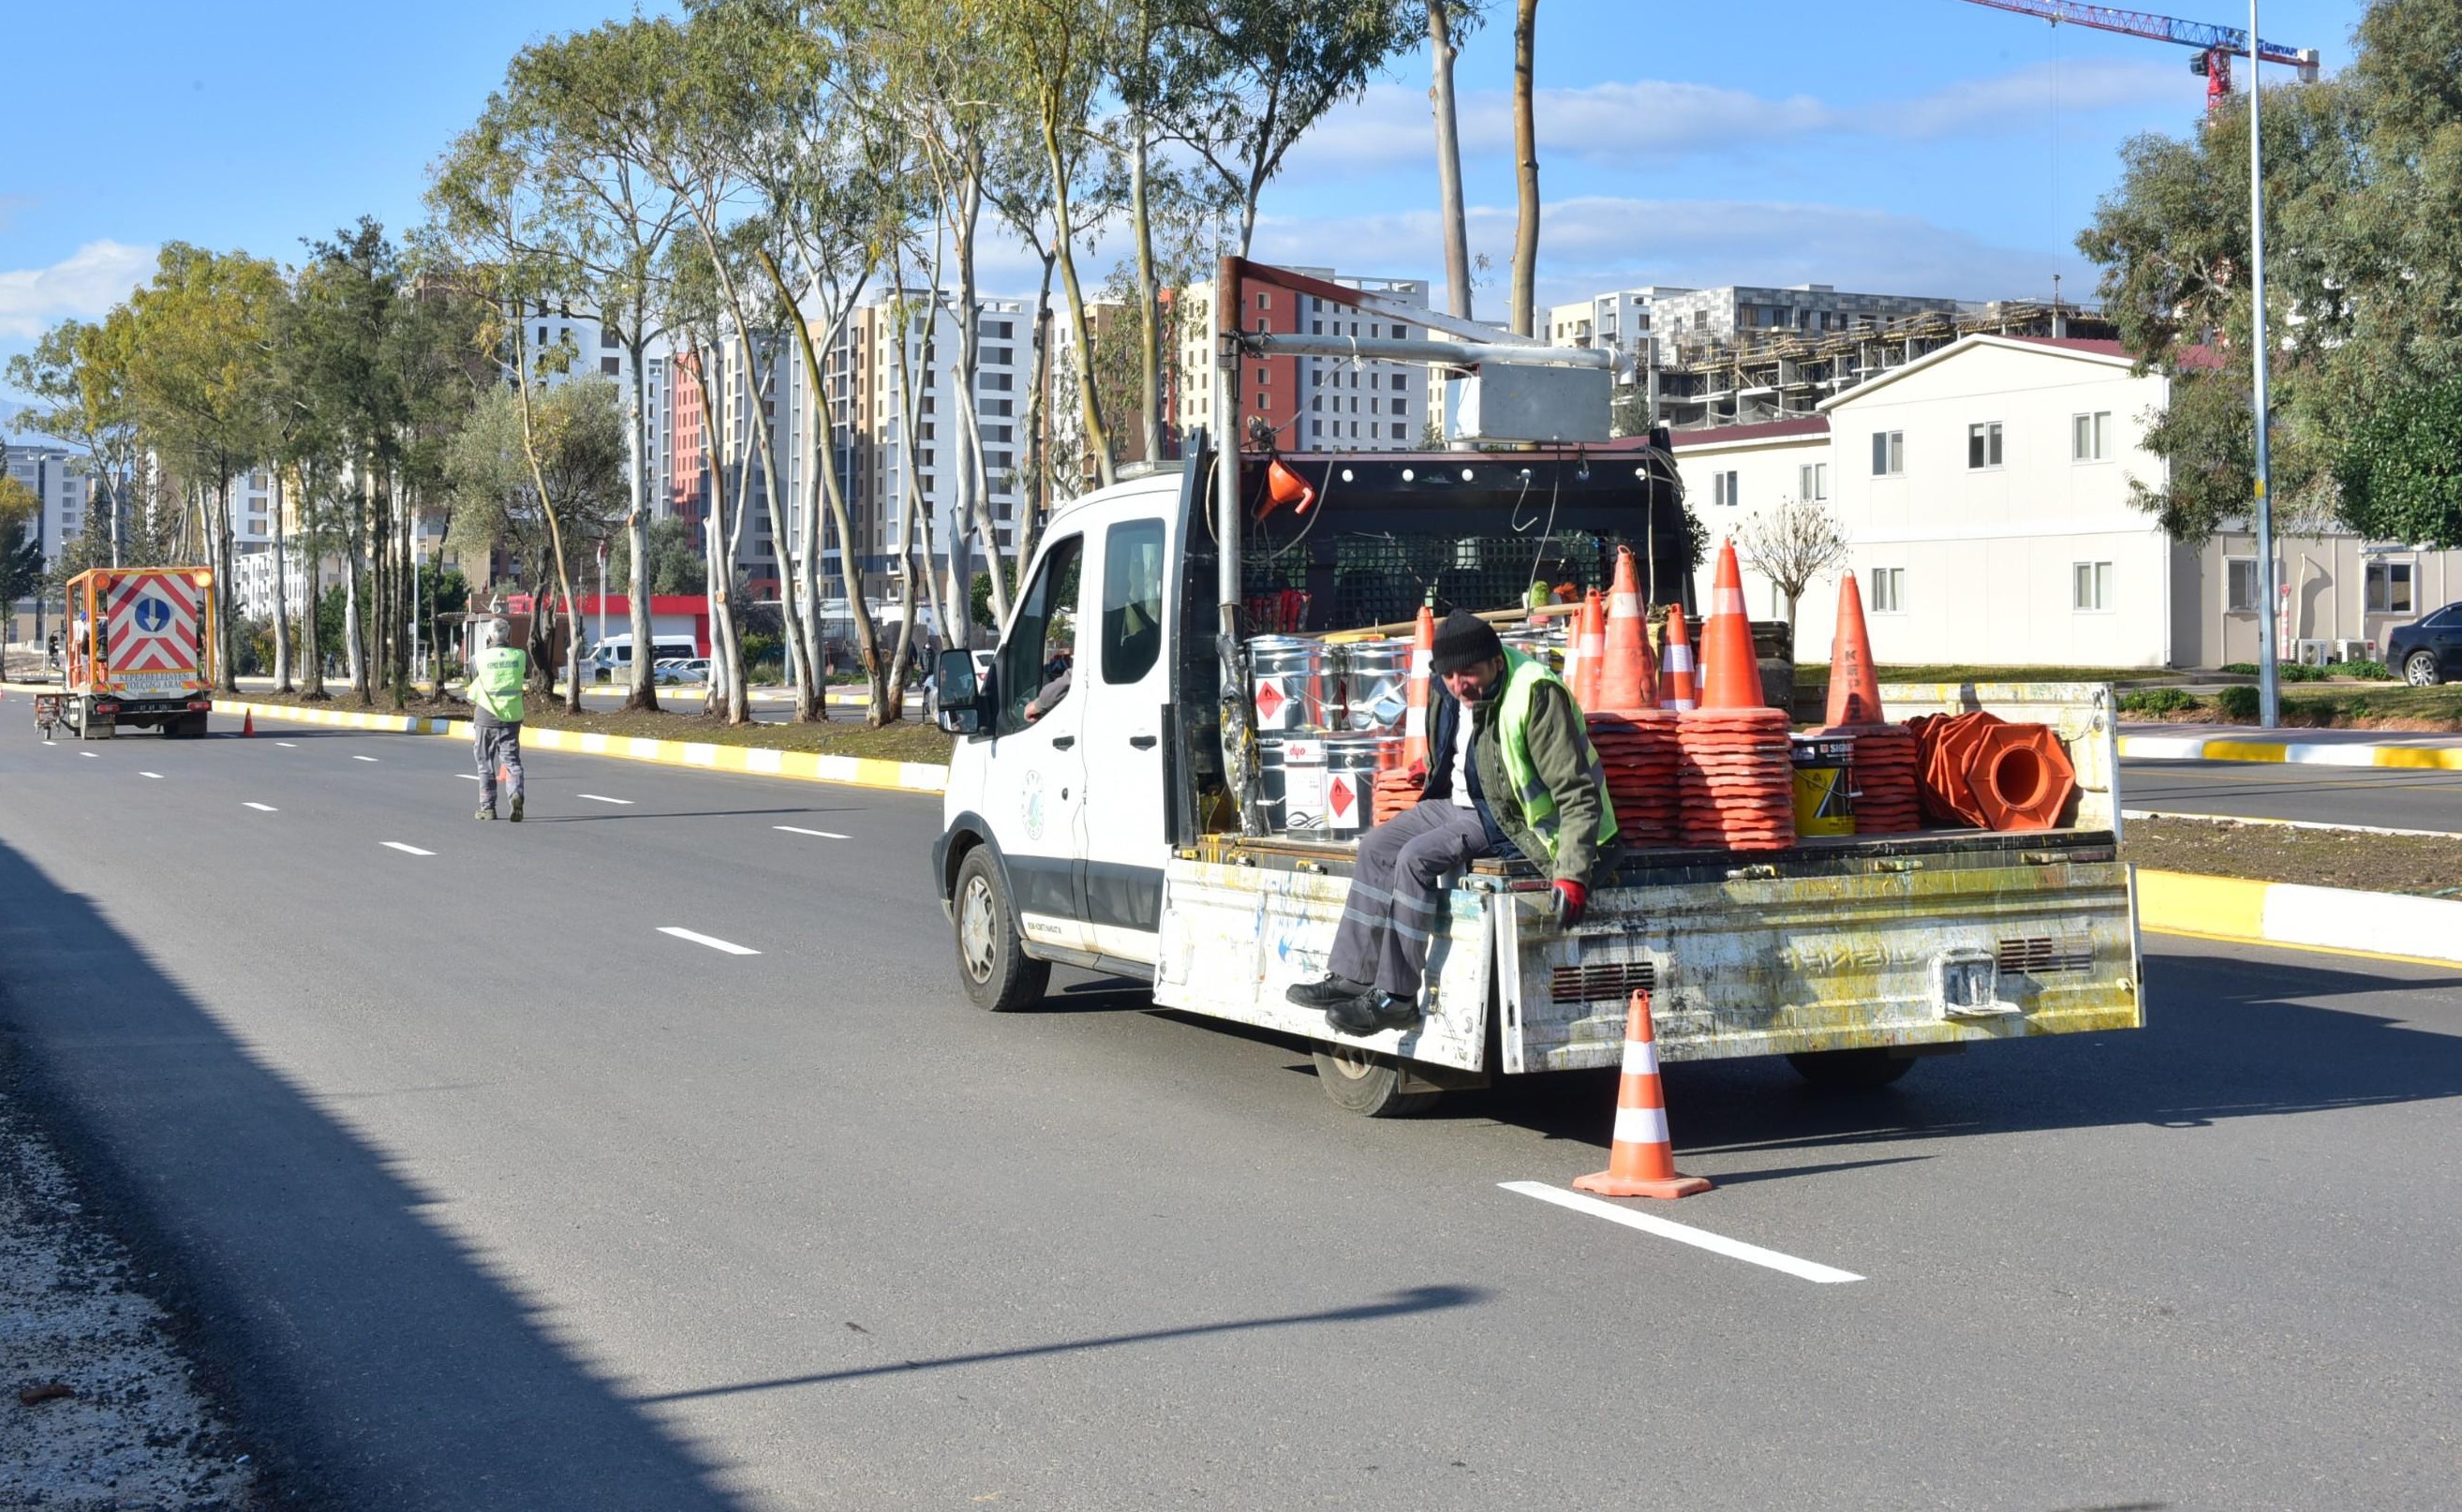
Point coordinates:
[(1731, 678), (1607, 1184), (1855, 684)]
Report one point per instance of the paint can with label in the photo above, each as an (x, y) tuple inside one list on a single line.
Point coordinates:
[(1350, 765), (1375, 683), (1825, 801), (1288, 683)]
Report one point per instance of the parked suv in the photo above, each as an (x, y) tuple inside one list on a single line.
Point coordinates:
[(2427, 651)]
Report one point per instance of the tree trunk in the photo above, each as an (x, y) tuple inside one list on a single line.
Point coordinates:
[(1098, 440), (1525, 170), (1448, 186), (281, 593), (644, 692), (1149, 318), (353, 636)]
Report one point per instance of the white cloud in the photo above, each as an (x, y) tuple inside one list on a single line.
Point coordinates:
[(85, 284), (2025, 99)]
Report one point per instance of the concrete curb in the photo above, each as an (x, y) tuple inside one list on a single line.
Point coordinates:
[(2311, 753), (2344, 920), (852, 771)]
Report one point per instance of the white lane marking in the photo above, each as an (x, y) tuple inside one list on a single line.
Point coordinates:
[(91, 755), (705, 940), (596, 798), (826, 835), (288, 744), (261, 808), (1682, 1233), (155, 775), (467, 776), (406, 850), (363, 757)]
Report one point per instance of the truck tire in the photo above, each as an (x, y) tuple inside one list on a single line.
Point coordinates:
[(1368, 1084), (186, 728), (1850, 1071), (991, 955)]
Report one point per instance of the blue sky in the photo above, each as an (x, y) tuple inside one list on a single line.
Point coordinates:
[(1909, 146)]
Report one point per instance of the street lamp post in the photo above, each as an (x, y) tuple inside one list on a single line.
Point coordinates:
[(2268, 655)]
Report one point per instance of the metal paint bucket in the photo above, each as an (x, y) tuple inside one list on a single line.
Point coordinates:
[(1351, 765), (1825, 802), (1288, 683), (1375, 683), (1294, 782), (1546, 647)]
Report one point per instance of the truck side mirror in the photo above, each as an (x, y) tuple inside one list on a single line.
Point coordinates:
[(958, 693)]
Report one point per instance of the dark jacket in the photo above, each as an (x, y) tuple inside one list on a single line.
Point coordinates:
[(1558, 741)]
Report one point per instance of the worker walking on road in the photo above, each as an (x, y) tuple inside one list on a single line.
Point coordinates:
[(1510, 765), (497, 674)]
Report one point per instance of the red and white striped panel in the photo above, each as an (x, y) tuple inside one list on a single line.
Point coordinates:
[(153, 622)]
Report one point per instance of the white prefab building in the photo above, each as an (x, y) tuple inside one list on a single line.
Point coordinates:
[(1985, 490)]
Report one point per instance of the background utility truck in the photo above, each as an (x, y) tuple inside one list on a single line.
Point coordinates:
[(1127, 830), (136, 653)]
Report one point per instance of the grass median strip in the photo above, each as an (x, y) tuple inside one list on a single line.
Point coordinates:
[(2418, 865)]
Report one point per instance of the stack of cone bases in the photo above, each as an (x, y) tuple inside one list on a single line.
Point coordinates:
[(1637, 753), (1884, 768), (1397, 790), (1735, 779)]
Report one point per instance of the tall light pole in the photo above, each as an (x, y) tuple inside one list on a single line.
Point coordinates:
[(2269, 691)]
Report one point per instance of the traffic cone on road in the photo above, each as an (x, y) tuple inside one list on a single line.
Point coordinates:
[(1731, 678), (248, 725), (1641, 1163), (1679, 681), (1624, 684), (1415, 719), (1854, 684)]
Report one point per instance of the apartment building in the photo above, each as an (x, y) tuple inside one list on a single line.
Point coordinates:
[(1315, 404), (60, 479)]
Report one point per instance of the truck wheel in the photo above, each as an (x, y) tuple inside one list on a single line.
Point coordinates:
[(1368, 1084), (1000, 976), (1850, 1071)]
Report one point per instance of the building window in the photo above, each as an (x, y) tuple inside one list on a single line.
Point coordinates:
[(1983, 444), (1397, 433), (1812, 482), (608, 365), (2239, 585), (2091, 585), (1264, 299), (2390, 588), (1888, 590), (1316, 429), (1723, 491), (2090, 437), (1889, 453)]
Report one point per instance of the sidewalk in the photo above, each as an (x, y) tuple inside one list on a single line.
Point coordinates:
[(2429, 749)]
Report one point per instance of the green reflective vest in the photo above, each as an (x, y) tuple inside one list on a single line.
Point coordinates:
[(1523, 676), (496, 678)]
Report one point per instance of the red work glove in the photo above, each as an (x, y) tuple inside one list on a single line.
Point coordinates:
[(1571, 900)]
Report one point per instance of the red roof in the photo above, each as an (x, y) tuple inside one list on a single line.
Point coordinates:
[(1763, 430)]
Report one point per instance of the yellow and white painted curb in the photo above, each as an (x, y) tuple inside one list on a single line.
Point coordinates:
[(2346, 921), (854, 771), (2305, 754)]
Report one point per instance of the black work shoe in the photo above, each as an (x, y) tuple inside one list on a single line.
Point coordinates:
[(1372, 1012), (517, 809), (484, 814), (1325, 994)]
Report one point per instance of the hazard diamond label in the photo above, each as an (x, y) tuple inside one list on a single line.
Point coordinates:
[(1270, 702), (1342, 800)]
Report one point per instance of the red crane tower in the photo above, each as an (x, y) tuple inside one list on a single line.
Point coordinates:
[(2216, 45)]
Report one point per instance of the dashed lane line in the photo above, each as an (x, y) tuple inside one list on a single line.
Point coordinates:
[(712, 942), (155, 775), (363, 757), (596, 798), (406, 850), (826, 835), (1683, 1233), (261, 808), (91, 755), (288, 744), (467, 776)]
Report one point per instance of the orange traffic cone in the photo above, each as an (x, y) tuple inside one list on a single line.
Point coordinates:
[(1621, 685), (1594, 652), (1640, 1161), (248, 725), (1854, 684), (1731, 678), (1679, 681), (1415, 719)]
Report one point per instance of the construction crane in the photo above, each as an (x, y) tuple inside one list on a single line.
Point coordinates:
[(2216, 45)]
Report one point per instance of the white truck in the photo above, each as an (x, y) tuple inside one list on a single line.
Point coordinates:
[(1119, 831)]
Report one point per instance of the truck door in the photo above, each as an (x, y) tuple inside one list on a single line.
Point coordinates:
[(1125, 682), (1034, 782)]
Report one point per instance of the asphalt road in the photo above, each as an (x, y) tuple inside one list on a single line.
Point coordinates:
[(2385, 798), (485, 1192)]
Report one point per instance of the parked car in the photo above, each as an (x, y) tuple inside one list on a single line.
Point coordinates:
[(2427, 651), (681, 669)]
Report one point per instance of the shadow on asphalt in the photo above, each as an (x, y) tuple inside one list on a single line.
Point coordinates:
[(1414, 1299), (376, 1360)]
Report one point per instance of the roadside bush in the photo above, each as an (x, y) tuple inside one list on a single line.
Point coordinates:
[(2237, 702), (758, 648), (2157, 701), (2366, 671)]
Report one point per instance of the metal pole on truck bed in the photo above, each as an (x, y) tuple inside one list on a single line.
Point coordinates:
[(1239, 734)]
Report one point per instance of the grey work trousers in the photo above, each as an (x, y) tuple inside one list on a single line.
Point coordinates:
[(1397, 889), (495, 745)]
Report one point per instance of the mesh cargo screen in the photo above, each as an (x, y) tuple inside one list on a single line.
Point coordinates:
[(1375, 579)]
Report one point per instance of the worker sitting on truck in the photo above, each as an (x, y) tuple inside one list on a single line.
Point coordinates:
[(1510, 768), (497, 674)]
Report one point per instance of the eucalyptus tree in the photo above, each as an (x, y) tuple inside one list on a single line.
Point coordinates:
[(692, 314), (79, 372), (582, 111), (1521, 310), (196, 383), (1448, 21)]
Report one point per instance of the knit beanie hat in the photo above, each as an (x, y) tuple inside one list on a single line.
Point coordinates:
[(1463, 640)]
